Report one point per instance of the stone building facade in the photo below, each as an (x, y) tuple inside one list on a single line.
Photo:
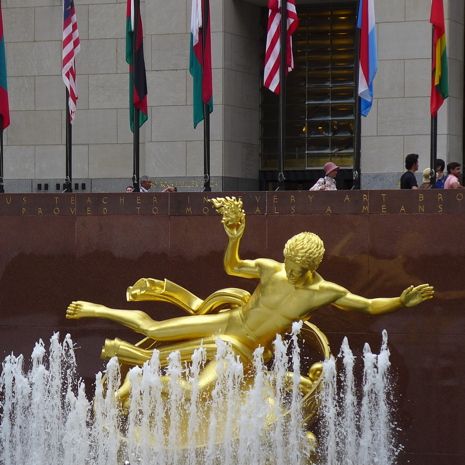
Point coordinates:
[(171, 150)]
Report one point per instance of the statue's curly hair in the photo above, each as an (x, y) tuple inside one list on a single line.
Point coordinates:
[(305, 249)]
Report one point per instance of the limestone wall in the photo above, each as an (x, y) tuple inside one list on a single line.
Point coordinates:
[(399, 122), (171, 150)]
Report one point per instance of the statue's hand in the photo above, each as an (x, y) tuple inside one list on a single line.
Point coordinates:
[(416, 295), (233, 215)]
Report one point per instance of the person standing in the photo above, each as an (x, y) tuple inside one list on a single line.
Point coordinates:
[(328, 183), (440, 175), (426, 184), (145, 184), (408, 179), (453, 176)]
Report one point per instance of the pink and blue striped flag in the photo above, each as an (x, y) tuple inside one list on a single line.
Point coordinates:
[(368, 60)]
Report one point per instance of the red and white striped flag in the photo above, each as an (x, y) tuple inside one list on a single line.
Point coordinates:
[(273, 45), (71, 47)]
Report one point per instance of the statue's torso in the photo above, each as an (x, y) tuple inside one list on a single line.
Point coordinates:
[(276, 303)]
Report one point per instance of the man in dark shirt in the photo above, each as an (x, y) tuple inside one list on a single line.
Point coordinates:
[(408, 180)]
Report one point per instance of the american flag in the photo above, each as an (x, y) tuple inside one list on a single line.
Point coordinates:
[(71, 47), (273, 46)]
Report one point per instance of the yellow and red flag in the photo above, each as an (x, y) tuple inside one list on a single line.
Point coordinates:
[(439, 78)]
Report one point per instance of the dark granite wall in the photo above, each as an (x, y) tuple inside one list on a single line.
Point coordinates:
[(58, 248)]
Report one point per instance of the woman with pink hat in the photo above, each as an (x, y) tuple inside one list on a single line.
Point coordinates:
[(328, 183)]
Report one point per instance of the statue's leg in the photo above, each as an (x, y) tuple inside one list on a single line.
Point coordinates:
[(138, 321), (187, 327)]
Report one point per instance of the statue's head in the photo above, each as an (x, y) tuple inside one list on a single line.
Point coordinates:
[(303, 252)]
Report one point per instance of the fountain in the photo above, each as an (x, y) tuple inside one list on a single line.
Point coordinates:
[(47, 419), (220, 385)]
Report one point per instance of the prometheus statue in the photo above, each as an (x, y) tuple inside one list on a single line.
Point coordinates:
[(286, 292)]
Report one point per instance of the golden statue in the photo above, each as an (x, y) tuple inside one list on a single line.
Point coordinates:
[(287, 292)]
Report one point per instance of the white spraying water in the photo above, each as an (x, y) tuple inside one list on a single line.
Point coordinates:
[(357, 428), (45, 418)]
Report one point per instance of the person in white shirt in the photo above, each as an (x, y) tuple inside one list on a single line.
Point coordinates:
[(145, 184), (328, 183)]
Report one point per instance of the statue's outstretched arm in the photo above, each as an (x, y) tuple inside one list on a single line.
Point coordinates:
[(410, 297), (233, 219)]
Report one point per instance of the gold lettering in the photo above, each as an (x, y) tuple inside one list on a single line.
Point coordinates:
[(310, 198), (105, 210), (138, 200), (8, 200), (206, 199), (72, 200), (155, 211), (24, 199), (402, 209), (121, 200), (257, 210), (39, 211), (138, 210), (292, 198), (365, 197), (72, 211), (421, 208), (328, 210), (88, 211), (23, 211), (365, 209), (383, 208), (205, 210), (105, 200), (56, 211), (459, 197), (292, 209), (188, 210), (347, 198), (275, 210), (189, 199), (257, 198), (440, 209), (440, 199), (56, 200), (89, 200), (154, 200), (421, 197), (384, 197), (275, 199)]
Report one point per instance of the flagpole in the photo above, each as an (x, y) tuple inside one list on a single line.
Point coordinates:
[(2, 187), (282, 94), (434, 129), (356, 174), (67, 185), (135, 113), (206, 109)]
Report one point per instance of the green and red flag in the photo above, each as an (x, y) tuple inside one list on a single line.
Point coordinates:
[(137, 76), (4, 105), (200, 65), (439, 78)]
